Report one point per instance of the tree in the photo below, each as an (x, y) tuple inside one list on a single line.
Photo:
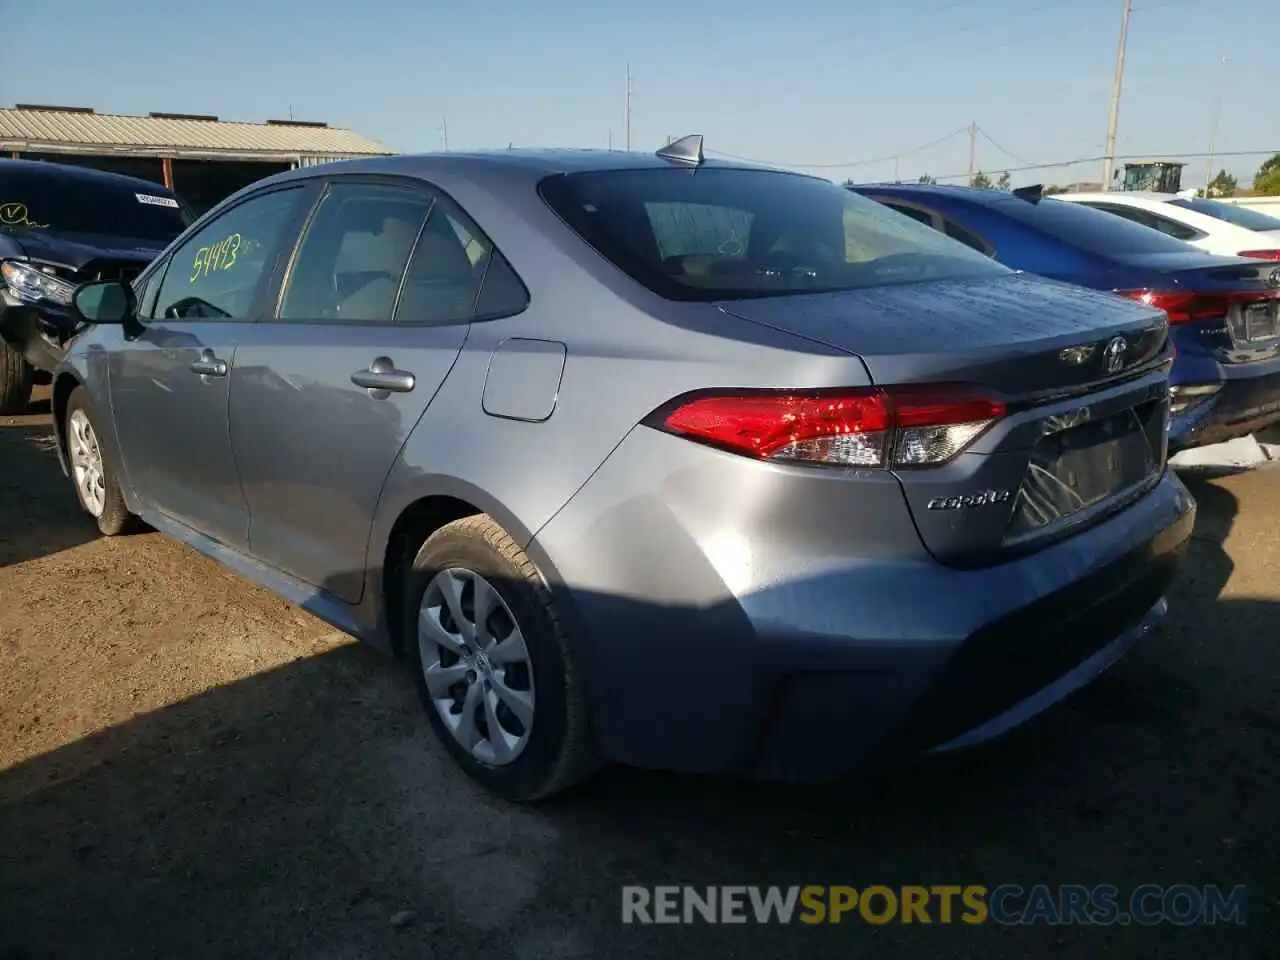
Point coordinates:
[(1054, 189), (1004, 183), (1223, 185), (1266, 182), (926, 178), (980, 179)]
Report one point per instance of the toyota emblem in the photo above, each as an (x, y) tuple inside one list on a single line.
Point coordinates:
[(1113, 355), (1273, 278)]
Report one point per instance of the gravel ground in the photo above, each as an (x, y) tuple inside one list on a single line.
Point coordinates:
[(190, 767)]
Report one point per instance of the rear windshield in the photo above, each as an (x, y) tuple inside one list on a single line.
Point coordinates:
[(716, 234), (1240, 216), (1096, 231), (64, 204)]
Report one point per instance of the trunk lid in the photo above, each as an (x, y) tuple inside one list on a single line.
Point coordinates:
[(1006, 334), (1085, 428)]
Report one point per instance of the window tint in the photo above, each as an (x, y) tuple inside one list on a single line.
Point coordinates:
[(215, 274), (442, 284), (957, 232), (353, 255), (57, 200), (1150, 220), (1093, 230), (721, 233), (915, 213), (1230, 212)]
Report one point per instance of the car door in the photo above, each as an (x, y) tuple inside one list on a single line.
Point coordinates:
[(169, 384), (372, 312)]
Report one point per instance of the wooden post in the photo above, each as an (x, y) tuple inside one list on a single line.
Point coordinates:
[(166, 164)]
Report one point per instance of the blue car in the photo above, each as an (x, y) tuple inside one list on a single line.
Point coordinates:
[(1224, 312)]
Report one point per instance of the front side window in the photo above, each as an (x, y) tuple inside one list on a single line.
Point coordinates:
[(716, 233), (352, 258), (60, 201), (215, 274)]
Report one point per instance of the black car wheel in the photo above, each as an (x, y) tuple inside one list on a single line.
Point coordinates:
[(16, 376)]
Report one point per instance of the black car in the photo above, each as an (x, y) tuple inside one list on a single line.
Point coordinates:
[(61, 226)]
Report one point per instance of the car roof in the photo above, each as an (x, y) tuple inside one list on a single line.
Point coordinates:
[(530, 163), (1124, 196), (976, 195), (67, 171)]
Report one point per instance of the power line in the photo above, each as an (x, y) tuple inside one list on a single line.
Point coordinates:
[(843, 166), (1007, 153), (1128, 156)]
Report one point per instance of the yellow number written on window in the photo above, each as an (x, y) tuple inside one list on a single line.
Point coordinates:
[(219, 256)]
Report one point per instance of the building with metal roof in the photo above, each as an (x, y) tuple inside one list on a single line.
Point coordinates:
[(201, 157)]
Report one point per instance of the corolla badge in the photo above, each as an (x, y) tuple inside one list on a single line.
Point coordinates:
[(984, 499), (1113, 355)]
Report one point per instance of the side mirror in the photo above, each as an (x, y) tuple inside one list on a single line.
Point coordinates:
[(105, 301)]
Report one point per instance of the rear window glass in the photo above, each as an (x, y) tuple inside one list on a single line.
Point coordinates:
[(1240, 216), (1093, 230), (71, 204), (714, 234)]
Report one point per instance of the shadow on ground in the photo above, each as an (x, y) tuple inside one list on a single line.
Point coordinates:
[(296, 812), (47, 518)]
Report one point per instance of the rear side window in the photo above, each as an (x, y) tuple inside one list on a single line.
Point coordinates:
[(1240, 216), (713, 234), (957, 232), (352, 258), (52, 200), (915, 213), (1093, 230), (1179, 231), (456, 275)]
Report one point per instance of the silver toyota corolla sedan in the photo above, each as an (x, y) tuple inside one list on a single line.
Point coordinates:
[(643, 458)]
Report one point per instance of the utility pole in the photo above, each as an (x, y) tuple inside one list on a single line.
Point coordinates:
[(1213, 129), (628, 141), (611, 139), (444, 134), (1114, 119), (973, 149), (895, 170)]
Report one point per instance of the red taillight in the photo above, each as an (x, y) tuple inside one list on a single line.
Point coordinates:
[(1185, 307), (1260, 254), (852, 428)]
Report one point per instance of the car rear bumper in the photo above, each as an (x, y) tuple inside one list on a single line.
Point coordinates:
[(810, 675), (1243, 405)]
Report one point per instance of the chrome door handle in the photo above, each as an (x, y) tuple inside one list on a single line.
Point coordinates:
[(382, 379), (209, 365)]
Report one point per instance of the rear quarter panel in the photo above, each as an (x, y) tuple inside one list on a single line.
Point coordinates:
[(627, 352)]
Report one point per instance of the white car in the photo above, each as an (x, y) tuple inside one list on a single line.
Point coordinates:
[(1211, 225)]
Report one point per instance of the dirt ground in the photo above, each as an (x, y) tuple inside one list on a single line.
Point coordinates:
[(190, 767)]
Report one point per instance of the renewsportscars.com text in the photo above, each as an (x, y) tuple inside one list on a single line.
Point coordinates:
[(1007, 904)]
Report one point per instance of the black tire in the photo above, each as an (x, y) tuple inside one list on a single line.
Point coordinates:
[(16, 376), (115, 518), (561, 749)]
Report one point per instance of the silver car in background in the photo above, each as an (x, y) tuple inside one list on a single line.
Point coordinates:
[(647, 459)]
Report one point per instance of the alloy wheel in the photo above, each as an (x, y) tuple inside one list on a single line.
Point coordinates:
[(86, 463)]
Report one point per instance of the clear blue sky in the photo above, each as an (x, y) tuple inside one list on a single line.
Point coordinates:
[(801, 83)]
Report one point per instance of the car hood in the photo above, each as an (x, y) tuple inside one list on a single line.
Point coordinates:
[(77, 250)]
